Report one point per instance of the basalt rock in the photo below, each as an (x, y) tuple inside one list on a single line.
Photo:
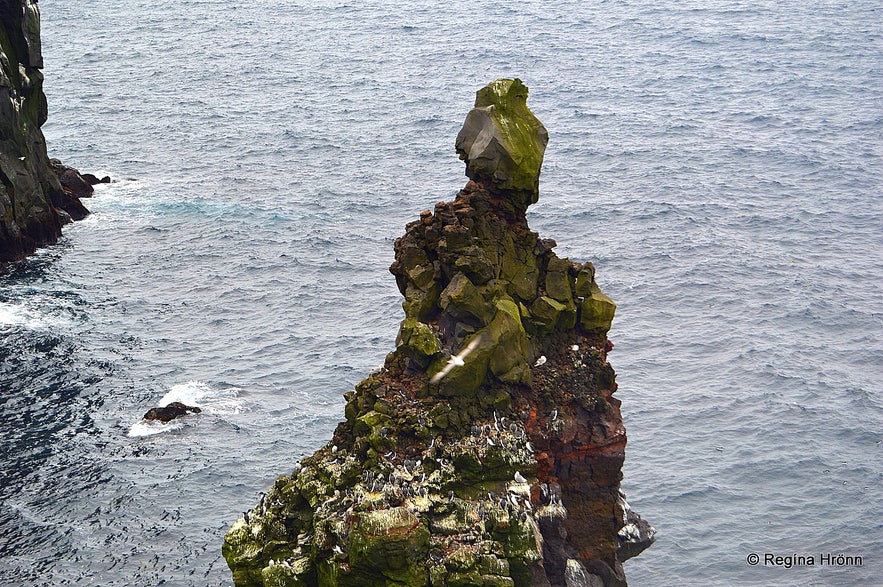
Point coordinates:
[(171, 411), (503, 143), (33, 203), (488, 449), (72, 181)]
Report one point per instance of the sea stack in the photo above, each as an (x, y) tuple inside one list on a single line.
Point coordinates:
[(33, 204), (504, 471)]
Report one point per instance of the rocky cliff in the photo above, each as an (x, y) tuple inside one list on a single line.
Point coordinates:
[(33, 203), (488, 449)]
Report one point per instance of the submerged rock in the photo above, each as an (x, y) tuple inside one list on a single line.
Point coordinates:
[(488, 449), (33, 204)]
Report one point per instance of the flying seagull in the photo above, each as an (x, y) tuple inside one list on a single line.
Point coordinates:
[(456, 360)]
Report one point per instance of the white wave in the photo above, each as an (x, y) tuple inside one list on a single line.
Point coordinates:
[(18, 315), (218, 401), (151, 427), (212, 400)]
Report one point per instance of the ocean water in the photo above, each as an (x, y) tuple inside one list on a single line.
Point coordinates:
[(718, 161)]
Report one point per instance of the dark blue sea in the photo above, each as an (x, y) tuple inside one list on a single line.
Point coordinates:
[(720, 162)]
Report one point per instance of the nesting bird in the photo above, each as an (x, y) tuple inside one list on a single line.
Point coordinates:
[(541, 361)]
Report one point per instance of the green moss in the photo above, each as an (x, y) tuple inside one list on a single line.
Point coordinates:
[(558, 286), (294, 574), (518, 268), (585, 279), (467, 302), (597, 311), (545, 313), (421, 304), (504, 142), (392, 541), (418, 338)]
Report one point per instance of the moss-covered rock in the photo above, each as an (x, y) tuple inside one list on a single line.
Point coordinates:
[(503, 142), (596, 312), (418, 337), (392, 541), (495, 408)]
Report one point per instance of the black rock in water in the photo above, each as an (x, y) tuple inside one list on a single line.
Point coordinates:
[(170, 412)]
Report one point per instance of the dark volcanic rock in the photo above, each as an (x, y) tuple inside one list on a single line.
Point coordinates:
[(72, 181), (503, 143), (170, 412), (488, 449), (93, 180), (32, 195)]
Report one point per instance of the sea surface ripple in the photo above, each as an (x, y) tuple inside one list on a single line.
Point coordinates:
[(718, 161)]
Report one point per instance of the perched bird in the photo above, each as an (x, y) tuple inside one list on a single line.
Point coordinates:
[(575, 347), (541, 361), (519, 478), (456, 360)]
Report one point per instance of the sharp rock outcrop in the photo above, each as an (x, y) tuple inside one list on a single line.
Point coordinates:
[(488, 449), (33, 203)]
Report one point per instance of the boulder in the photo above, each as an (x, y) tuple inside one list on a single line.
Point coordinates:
[(72, 181), (503, 143), (171, 411)]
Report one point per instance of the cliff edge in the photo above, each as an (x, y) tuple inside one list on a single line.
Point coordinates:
[(33, 203), (488, 449)]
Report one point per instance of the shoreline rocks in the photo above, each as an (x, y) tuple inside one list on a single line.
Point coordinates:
[(34, 204), (488, 449)]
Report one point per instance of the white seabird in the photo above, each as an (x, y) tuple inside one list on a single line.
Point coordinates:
[(541, 361), (456, 360)]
